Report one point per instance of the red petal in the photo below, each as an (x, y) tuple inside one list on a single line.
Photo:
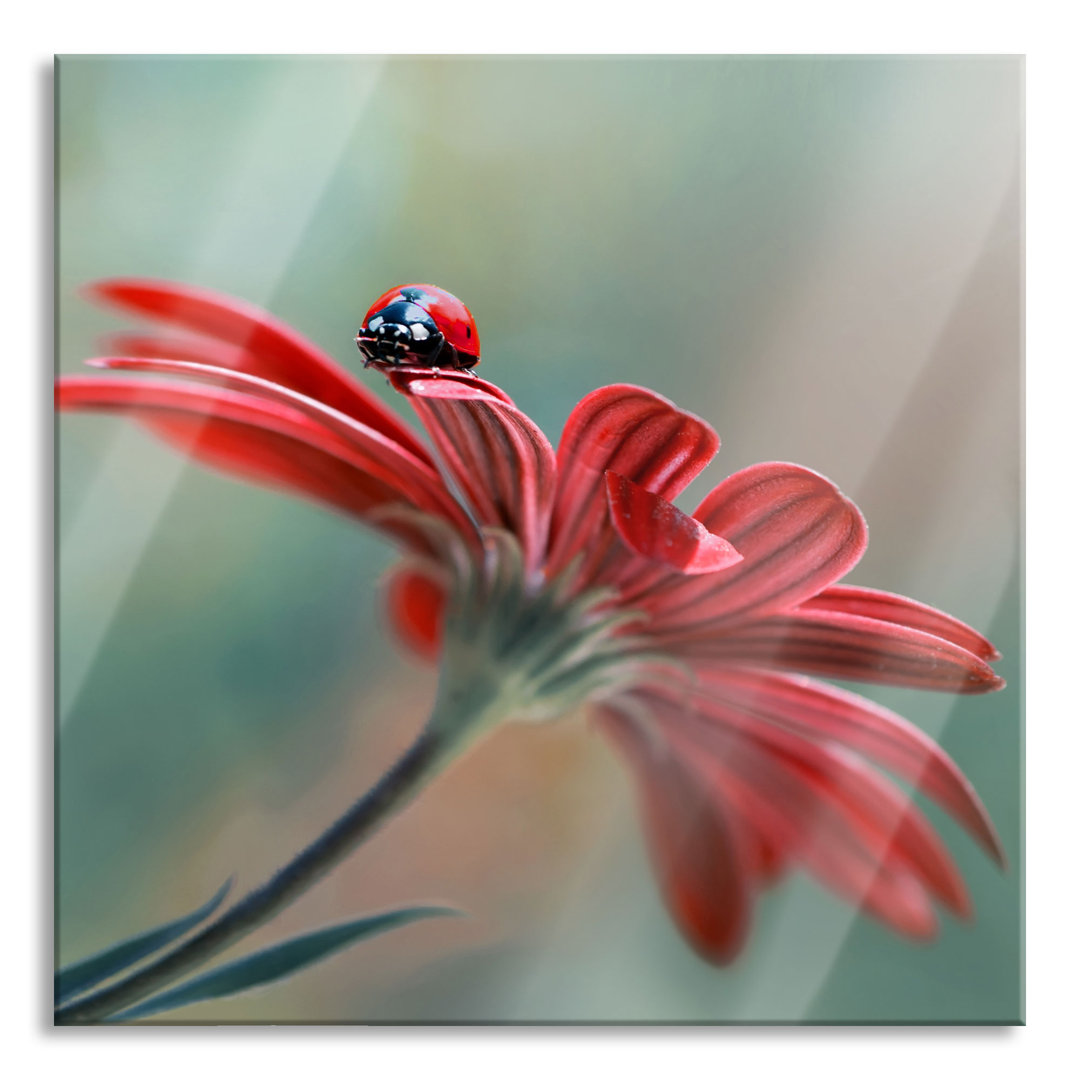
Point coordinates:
[(268, 347), (820, 838), (796, 532), (789, 796), (697, 852), (501, 461), (418, 483), (416, 602), (769, 858), (887, 824), (660, 531), (891, 827), (875, 604), (242, 435), (443, 383), (633, 432), (898, 831), (845, 647), (825, 712), (196, 350)]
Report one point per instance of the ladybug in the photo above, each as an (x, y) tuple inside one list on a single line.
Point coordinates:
[(420, 326)]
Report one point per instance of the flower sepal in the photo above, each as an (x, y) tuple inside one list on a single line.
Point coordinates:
[(519, 647)]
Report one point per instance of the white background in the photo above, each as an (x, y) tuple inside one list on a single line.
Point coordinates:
[(1039, 30)]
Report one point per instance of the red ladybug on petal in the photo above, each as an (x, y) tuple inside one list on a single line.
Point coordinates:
[(419, 326)]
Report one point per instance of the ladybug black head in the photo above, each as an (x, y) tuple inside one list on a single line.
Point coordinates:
[(400, 333)]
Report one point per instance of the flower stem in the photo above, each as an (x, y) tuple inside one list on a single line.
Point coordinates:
[(422, 760)]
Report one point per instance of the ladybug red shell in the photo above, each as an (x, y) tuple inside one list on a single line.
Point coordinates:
[(419, 326)]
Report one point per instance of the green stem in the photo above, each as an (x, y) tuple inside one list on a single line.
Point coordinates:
[(421, 761), (506, 651)]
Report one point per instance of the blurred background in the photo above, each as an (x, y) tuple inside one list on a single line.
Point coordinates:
[(821, 256)]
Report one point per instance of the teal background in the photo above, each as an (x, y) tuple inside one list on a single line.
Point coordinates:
[(822, 256)]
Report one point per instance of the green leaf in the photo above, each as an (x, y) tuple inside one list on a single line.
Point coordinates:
[(84, 974), (277, 962)]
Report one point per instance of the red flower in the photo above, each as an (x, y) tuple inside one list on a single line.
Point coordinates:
[(690, 635)]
